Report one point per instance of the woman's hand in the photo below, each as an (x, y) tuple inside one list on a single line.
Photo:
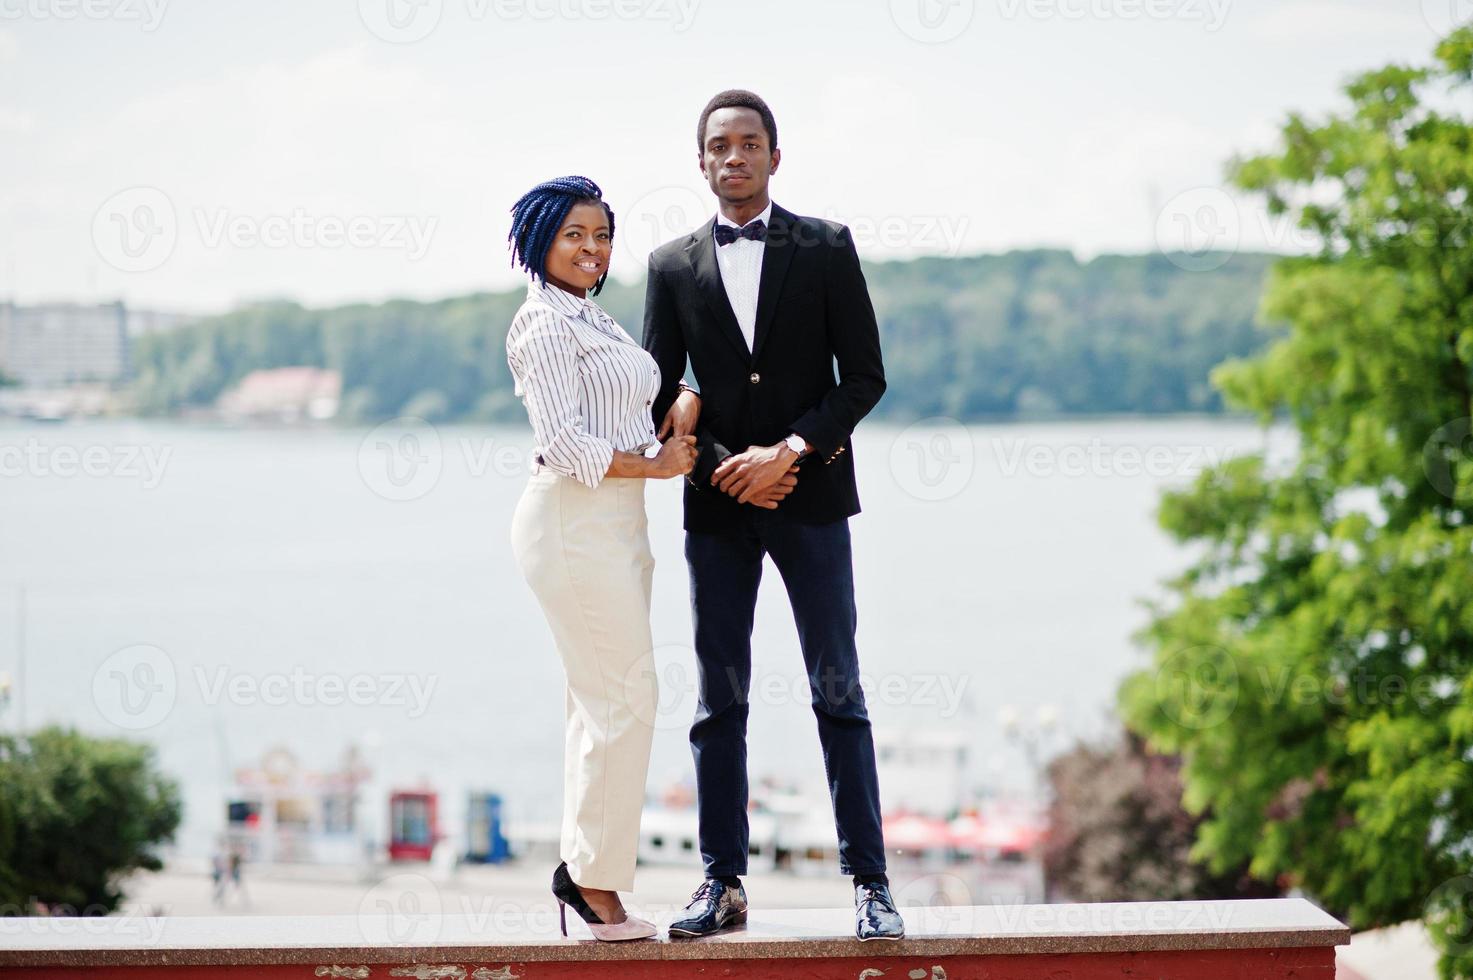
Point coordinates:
[(677, 457), (681, 419)]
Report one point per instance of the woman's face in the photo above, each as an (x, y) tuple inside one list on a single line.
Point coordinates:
[(580, 250)]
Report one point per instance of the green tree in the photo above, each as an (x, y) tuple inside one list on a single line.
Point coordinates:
[(76, 815), (1314, 666)]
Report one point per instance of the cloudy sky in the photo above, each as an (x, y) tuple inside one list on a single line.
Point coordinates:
[(196, 154)]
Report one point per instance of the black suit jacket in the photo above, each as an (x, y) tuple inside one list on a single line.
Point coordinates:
[(813, 312)]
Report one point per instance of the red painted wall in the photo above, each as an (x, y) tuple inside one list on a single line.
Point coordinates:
[(1314, 963)]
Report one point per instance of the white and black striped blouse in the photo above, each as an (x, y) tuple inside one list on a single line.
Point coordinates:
[(586, 384)]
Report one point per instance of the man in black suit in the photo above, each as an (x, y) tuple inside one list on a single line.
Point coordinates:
[(764, 303)]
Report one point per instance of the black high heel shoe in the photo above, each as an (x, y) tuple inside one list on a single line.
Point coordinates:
[(567, 893)]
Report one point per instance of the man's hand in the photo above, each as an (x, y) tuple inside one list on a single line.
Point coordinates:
[(681, 419), (772, 496), (744, 475), (677, 457)]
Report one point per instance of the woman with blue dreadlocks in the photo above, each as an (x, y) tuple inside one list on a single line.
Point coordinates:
[(580, 535)]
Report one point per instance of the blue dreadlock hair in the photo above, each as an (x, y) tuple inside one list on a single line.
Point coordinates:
[(540, 212)]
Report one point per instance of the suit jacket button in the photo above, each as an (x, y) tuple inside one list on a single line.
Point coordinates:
[(755, 377)]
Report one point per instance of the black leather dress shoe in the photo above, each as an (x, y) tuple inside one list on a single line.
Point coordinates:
[(875, 916), (712, 908)]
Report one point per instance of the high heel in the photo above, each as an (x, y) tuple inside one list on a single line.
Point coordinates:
[(567, 893)]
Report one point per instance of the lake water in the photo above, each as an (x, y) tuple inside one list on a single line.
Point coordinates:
[(219, 591)]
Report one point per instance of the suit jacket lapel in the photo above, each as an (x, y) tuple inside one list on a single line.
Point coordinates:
[(776, 258), (702, 255)]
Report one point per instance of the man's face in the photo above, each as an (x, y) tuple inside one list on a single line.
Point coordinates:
[(738, 157)]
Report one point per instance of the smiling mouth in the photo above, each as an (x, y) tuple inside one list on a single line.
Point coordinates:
[(589, 266)]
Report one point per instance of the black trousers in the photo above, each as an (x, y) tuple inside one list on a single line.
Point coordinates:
[(816, 565)]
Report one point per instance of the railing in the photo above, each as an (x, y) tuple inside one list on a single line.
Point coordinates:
[(1233, 940)]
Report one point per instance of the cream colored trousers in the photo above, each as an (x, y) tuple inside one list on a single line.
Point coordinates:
[(585, 552)]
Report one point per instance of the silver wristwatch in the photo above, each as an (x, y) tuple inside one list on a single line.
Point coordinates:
[(797, 443)]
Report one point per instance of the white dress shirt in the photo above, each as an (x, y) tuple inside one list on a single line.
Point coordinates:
[(586, 384), (741, 272)]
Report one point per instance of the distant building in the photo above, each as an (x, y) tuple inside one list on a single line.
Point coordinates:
[(142, 322), (288, 394), (923, 771), (278, 811), (63, 343), (55, 345)]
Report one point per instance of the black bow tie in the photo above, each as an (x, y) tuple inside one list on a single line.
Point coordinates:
[(753, 230)]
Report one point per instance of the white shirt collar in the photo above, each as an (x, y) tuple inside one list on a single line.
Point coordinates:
[(558, 298), (765, 217)]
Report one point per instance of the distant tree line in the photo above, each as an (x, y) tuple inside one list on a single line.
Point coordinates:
[(1023, 334)]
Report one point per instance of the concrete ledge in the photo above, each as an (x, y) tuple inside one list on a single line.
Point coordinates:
[(1266, 938)]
